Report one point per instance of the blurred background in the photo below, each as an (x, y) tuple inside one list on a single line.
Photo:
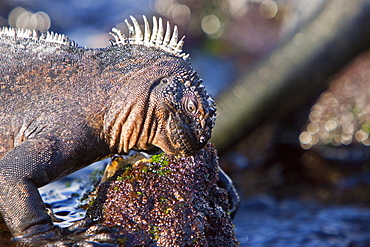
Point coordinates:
[(303, 173)]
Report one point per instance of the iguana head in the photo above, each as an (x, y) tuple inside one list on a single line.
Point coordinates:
[(185, 113), (175, 112)]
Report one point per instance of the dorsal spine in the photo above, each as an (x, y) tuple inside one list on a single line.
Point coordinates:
[(49, 37), (156, 38)]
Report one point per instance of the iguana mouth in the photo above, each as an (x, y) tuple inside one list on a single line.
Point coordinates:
[(188, 139), (185, 141)]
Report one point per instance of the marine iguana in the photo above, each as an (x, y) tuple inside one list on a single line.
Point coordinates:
[(64, 106)]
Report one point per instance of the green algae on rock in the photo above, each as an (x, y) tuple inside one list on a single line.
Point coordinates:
[(167, 201)]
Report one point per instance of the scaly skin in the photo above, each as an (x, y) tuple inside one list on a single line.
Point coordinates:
[(64, 106)]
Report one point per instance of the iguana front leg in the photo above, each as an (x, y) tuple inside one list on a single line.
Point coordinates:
[(35, 163)]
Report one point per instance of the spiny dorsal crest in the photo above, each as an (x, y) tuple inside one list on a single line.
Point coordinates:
[(49, 37), (155, 38)]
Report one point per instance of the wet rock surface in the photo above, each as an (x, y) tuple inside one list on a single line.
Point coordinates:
[(167, 201)]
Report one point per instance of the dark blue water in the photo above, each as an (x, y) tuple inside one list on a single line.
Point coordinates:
[(264, 221)]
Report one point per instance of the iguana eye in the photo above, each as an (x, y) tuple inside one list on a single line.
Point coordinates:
[(164, 80), (191, 106)]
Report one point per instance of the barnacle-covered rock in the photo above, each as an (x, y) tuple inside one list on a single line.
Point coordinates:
[(168, 201)]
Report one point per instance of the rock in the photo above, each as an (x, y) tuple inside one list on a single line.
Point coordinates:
[(167, 201)]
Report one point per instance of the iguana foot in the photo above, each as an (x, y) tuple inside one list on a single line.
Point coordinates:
[(234, 198), (83, 233), (42, 238)]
